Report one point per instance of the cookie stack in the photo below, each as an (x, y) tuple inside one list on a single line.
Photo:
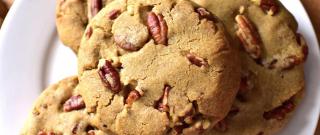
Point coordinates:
[(145, 67)]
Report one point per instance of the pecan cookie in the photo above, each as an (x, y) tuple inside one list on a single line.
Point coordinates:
[(3, 11), (272, 56), (72, 17), (60, 110), (157, 67)]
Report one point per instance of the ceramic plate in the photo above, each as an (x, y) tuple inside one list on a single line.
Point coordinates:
[(32, 57)]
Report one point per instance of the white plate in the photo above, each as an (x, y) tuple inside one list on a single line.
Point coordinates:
[(32, 57)]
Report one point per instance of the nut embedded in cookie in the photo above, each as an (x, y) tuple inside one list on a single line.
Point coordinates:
[(198, 61), (269, 6), (163, 102), (248, 36), (158, 28), (94, 6), (280, 112), (46, 133), (113, 14), (110, 76), (133, 96), (73, 103)]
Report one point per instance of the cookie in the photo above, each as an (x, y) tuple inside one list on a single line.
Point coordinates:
[(157, 67), (272, 56), (3, 11), (60, 111), (72, 17), (8, 3)]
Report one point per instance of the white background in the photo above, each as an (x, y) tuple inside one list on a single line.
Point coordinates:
[(32, 57)]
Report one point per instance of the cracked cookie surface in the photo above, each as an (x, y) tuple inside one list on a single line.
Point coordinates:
[(157, 67), (72, 17), (272, 64), (60, 110)]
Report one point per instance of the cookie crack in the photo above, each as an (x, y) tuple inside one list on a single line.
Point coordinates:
[(110, 100)]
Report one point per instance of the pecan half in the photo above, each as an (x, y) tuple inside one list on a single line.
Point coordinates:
[(221, 126), (198, 61), (280, 112), (45, 133), (269, 6), (133, 96), (94, 7), (73, 103), (113, 14), (163, 105), (249, 36), (110, 77), (157, 28)]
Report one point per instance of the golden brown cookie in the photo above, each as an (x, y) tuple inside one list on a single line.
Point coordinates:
[(3, 11), (272, 56), (60, 110), (72, 17), (156, 67)]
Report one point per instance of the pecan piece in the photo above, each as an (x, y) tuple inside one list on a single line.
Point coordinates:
[(91, 132), (110, 77), (94, 7), (158, 28), (73, 103), (221, 126), (302, 42), (288, 62), (45, 133), (163, 105), (75, 129), (133, 96), (113, 14), (249, 36), (206, 14), (89, 32), (269, 6), (198, 61), (280, 112), (246, 85)]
